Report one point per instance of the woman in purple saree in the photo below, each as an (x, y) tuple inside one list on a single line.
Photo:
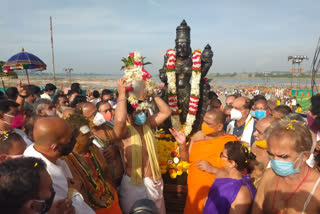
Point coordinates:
[(231, 191)]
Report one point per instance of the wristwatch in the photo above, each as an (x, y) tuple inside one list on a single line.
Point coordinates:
[(22, 96)]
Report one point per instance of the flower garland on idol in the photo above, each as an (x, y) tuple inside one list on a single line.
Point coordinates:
[(194, 93), (134, 71)]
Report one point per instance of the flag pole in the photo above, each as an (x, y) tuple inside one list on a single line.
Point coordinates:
[(52, 53)]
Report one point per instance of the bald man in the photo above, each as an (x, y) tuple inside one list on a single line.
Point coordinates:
[(52, 139), (67, 112), (204, 150), (242, 123), (105, 140)]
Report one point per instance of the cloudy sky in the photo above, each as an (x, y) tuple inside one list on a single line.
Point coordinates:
[(93, 35)]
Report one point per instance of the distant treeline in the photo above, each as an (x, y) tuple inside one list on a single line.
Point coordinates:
[(264, 75)]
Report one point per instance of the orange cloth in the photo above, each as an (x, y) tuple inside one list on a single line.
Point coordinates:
[(199, 182), (114, 208)]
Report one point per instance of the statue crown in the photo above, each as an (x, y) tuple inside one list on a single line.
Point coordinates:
[(183, 32)]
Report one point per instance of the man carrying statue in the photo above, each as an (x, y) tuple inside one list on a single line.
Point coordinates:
[(133, 128)]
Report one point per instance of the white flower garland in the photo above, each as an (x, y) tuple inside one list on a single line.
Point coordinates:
[(194, 93), (137, 72)]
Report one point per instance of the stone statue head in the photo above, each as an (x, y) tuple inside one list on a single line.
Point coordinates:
[(183, 48), (207, 54)]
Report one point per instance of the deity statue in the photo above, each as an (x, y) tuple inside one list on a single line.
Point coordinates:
[(185, 69)]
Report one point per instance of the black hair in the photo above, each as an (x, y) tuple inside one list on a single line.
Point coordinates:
[(315, 109), (96, 94), (33, 89), (78, 99), (259, 97), (101, 103), (12, 93), (241, 155), (6, 104), (76, 87), (19, 182), (283, 109), (50, 87), (55, 100), (106, 92), (6, 140), (212, 95), (130, 109), (2, 96)]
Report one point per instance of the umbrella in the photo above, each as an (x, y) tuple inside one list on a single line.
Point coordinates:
[(24, 61), (6, 75)]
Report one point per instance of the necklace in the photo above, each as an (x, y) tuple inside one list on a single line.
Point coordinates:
[(95, 183), (291, 195)]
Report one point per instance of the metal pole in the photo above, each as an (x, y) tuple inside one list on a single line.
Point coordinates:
[(52, 53)]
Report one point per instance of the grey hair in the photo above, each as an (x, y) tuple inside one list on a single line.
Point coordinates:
[(39, 105), (299, 133)]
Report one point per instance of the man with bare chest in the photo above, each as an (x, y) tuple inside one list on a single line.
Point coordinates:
[(142, 177), (291, 186)]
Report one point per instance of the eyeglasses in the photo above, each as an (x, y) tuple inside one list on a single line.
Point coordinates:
[(223, 156)]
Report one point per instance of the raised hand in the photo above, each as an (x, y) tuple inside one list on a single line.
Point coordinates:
[(121, 85), (22, 90), (179, 136)]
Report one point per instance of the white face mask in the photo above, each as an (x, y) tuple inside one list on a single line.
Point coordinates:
[(98, 120), (51, 113), (235, 114)]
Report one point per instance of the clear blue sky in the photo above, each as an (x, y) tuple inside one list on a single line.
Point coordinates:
[(93, 36)]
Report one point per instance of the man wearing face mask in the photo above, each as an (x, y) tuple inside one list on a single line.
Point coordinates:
[(61, 103), (53, 139), (205, 146), (34, 195), (12, 119), (260, 109), (242, 123), (259, 148), (105, 140), (142, 177), (106, 110), (49, 91), (44, 108), (290, 186)]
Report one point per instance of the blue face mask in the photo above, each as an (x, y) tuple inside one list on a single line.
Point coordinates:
[(284, 168), (140, 119), (260, 114), (252, 113)]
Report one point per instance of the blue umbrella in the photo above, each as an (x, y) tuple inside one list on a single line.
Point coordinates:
[(24, 61)]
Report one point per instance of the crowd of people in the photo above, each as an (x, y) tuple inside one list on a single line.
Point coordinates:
[(78, 153)]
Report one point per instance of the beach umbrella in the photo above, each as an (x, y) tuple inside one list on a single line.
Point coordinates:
[(6, 75), (24, 61)]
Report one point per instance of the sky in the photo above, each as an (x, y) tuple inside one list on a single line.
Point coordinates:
[(91, 36)]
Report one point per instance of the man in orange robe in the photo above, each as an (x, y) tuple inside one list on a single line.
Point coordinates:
[(206, 146)]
